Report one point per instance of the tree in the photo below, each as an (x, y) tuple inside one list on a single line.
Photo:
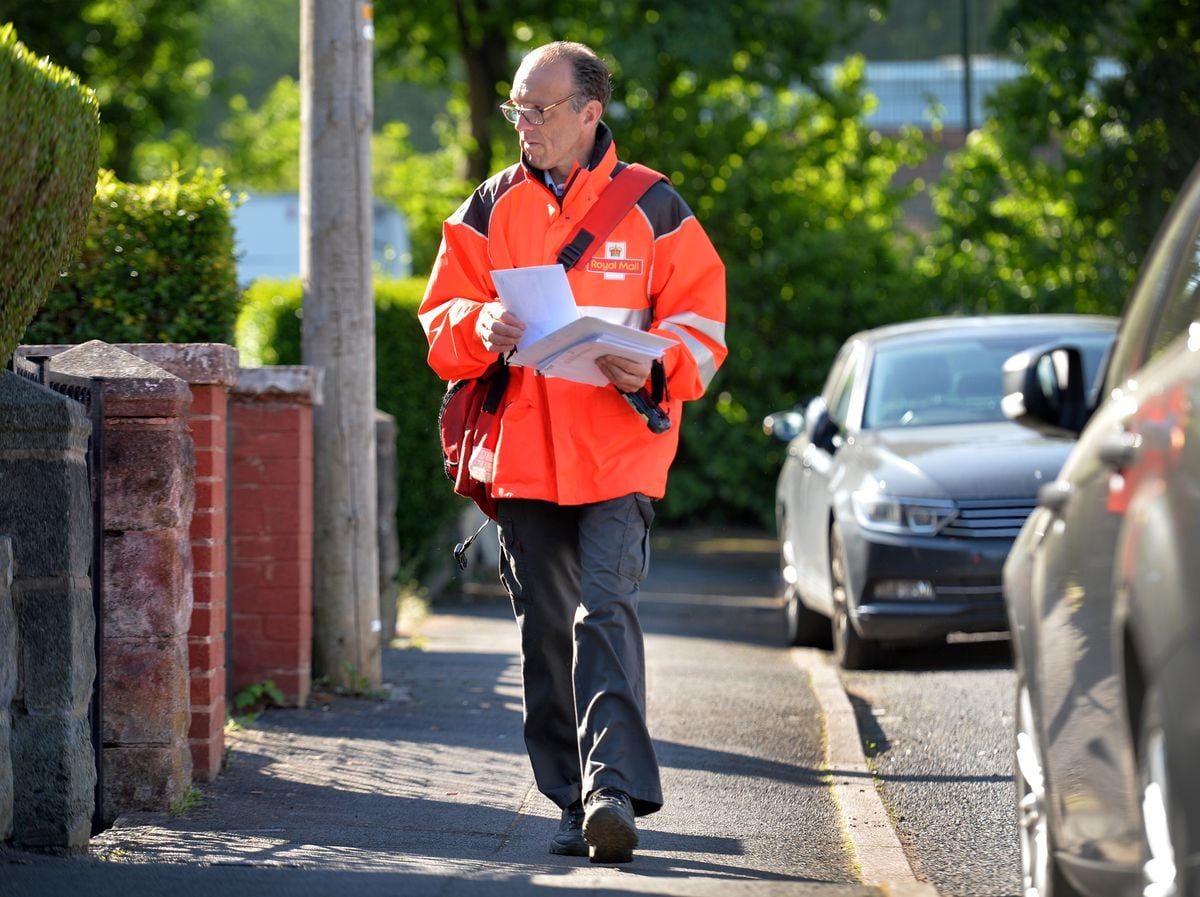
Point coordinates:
[(422, 44), (773, 41), (141, 57), (1053, 204)]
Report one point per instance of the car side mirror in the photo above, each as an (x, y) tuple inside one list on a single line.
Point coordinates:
[(819, 428), (1044, 390), (784, 425)]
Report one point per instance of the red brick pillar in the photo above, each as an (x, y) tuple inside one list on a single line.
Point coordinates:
[(272, 524), (210, 369)]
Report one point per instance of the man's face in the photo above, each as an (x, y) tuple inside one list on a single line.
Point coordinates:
[(566, 136)]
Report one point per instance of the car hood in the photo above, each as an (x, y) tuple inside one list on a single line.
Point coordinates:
[(966, 461)]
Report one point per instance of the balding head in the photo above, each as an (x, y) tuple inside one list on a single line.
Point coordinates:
[(590, 75)]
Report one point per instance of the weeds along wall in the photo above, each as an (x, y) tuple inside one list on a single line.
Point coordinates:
[(268, 332), (157, 266), (49, 144)]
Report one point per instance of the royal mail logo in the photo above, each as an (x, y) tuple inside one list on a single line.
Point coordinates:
[(613, 264)]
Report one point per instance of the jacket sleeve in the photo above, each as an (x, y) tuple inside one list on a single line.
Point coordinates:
[(458, 287), (688, 295)]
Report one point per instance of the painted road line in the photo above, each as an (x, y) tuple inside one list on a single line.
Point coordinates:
[(880, 859)]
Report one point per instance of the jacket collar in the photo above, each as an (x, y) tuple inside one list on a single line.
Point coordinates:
[(600, 165)]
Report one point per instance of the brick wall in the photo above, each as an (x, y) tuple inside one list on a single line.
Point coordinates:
[(206, 636), (272, 528)]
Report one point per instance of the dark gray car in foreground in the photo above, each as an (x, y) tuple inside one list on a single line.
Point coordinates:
[(1103, 590), (904, 484)]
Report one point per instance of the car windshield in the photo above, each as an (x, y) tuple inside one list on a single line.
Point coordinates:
[(915, 384)]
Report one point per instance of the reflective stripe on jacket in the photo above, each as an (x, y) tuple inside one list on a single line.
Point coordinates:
[(561, 441)]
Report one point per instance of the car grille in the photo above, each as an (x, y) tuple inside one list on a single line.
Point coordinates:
[(993, 519), (970, 593)]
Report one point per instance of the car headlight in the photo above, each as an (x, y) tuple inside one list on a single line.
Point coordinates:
[(888, 514)]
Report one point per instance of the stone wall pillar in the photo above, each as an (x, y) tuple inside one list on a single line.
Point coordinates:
[(149, 490), (45, 509), (8, 685), (272, 522), (209, 370)]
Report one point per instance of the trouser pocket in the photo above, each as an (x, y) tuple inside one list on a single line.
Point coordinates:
[(635, 551)]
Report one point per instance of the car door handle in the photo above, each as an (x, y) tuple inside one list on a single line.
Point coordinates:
[(1119, 450), (1054, 496)]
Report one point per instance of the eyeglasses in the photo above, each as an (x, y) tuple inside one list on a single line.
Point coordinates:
[(533, 115)]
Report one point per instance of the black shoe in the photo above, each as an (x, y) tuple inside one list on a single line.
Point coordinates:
[(569, 840), (608, 827)]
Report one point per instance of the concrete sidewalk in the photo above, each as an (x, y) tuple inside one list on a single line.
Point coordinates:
[(428, 791)]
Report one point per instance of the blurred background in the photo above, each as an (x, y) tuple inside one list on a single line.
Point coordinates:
[(856, 163)]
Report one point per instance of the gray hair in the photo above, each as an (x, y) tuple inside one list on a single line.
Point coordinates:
[(593, 80)]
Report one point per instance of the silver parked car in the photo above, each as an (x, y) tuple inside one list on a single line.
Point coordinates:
[(1103, 594), (904, 484)]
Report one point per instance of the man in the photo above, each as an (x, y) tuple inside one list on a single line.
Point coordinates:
[(575, 466)]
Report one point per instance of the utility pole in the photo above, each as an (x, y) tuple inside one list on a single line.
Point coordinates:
[(336, 38), (966, 58)]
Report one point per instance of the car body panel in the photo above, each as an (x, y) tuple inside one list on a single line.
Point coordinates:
[(1103, 587)]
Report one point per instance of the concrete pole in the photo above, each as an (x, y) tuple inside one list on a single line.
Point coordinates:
[(336, 38), (968, 125)]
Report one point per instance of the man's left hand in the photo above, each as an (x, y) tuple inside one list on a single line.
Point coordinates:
[(624, 374)]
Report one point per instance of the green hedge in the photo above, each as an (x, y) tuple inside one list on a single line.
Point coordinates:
[(157, 266), (49, 143), (268, 332)]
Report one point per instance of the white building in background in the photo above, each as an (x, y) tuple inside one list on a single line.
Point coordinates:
[(907, 90), (267, 238)]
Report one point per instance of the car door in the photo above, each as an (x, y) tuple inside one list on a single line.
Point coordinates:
[(820, 472), (1082, 701)]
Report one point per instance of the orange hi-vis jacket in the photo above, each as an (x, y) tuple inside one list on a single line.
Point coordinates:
[(562, 441)]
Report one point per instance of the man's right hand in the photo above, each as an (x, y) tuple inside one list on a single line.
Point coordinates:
[(500, 330)]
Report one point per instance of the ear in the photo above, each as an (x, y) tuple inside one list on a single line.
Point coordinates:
[(592, 112)]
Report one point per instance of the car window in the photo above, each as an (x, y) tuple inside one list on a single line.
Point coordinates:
[(956, 381), (1149, 323), (1181, 305), (837, 372), (840, 407)]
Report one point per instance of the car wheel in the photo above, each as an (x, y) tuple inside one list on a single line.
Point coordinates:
[(850, 650), (804, 626), (1158, 872), (1040, 876)]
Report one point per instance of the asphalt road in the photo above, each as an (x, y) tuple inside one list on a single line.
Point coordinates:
[(938, 731)]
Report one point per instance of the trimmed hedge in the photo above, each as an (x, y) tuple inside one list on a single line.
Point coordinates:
[(269, 331), (157, 266), (49, 144)]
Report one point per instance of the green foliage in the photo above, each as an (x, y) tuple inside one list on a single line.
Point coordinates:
[(263, 144), (156, 266), (356, 685), (48, 149), (795, 192), (191, 798), (424, 186), (140, 56), (256, 697), (1053, 204), (269, 332)]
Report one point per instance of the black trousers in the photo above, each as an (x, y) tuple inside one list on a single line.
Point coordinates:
[(573, 574)]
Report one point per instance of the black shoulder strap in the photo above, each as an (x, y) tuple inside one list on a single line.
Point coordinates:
[(622, 193)]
